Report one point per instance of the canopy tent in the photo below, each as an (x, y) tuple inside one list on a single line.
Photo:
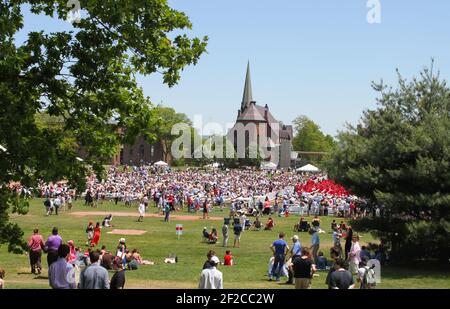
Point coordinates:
[(161, 163), (268, 166), (308, 168)]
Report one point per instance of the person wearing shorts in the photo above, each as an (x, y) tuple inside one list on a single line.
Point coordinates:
[(237, 234)]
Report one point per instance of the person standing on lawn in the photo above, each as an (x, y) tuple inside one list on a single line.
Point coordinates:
[(279, 249), (225, 233), (52, 245), (96, 237), (36, 243), (315, 242), (167, 209)]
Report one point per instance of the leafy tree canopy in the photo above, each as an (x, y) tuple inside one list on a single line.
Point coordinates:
[(309, 137), (86, 77)]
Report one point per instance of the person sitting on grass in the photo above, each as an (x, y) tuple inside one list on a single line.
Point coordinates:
[(269, 225), (213, 237), (228, 259), (205, 234), (364, 253), (137, 256), (107, 221), (209, 255), (322, 262), (257, 224)]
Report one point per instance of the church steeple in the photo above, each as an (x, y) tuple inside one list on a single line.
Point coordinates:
[(247, 97)]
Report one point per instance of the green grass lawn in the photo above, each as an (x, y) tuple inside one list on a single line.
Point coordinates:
[(160, 240)]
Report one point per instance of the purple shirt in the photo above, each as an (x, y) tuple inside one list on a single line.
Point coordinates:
[(53, 242), (61, 275)]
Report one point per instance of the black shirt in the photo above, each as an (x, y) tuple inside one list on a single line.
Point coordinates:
[(341, 279), (118, 280), (302, 268)]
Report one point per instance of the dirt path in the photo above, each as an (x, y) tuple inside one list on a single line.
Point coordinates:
[(135, 214)]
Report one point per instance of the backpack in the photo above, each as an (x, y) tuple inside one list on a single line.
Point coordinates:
[(369, 279)]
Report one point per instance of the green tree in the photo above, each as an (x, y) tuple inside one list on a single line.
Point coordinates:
[(86, 77), (398, 156), (167, 117), (309, 137)]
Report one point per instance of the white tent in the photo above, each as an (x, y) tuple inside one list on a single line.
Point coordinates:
[(268, 166), (161, 163), (308, 168), (215, 165)]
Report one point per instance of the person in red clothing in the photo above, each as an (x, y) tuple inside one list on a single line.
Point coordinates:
[(228, 259), (266, 206), (96, 238), (269, 224), (36, 244)]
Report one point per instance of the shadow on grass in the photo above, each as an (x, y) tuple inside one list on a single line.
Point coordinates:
[(40, 278)]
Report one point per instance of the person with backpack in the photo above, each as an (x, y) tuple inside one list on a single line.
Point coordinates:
[(366, 275)]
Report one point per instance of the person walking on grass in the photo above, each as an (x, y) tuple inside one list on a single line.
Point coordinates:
[(141, 209), (279, 249), (52, 245), (35, 244), (96, 237)]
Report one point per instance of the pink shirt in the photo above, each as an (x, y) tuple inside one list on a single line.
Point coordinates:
[(36, 242), (354, 253)]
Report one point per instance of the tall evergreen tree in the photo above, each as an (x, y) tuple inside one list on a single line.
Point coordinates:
[(398, 156)]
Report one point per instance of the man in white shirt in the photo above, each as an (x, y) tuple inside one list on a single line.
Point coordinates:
[(211, 278)]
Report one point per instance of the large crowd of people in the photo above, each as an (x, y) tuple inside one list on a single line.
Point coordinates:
[(255, 191), (245, 192)]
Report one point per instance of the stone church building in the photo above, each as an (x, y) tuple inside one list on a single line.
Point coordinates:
[(257, 128)]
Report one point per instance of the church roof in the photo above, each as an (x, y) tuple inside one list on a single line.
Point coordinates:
[(252, 113), (247, 98)]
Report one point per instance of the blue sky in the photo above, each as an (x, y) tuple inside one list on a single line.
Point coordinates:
[(310, 57)]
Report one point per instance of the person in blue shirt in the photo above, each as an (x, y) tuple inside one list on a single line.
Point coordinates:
[(321, 262), (295, 252), (279, 248), (364, 253), (166, 212), (315, 243)]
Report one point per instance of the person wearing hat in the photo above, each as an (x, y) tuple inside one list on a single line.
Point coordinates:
[(211, 278), (294, 253)]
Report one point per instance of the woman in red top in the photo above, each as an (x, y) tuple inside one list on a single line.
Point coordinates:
[(228, 258), (266, 206), (36, 244), (96, 237)]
